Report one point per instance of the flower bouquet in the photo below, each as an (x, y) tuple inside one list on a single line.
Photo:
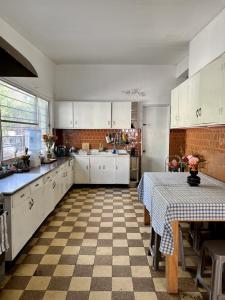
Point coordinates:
[(193, 165), (49, 141)]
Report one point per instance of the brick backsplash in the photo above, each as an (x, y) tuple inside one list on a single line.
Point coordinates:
[(75, 138), (207, 141)]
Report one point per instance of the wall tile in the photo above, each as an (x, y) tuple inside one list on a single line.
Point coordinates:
[(207, 141)]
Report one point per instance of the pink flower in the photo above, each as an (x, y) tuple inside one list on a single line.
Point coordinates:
[(193, 160)]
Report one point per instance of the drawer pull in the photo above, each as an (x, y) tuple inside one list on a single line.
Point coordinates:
[(37, 184)]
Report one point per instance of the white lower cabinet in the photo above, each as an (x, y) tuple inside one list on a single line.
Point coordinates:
[(37, 201), (31, 205), (122, 170), (48, 203), (102, 170), (22, 216), (81, 170)]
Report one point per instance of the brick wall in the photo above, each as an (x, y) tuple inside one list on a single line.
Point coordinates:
[(75, 138), (207, 141), (177, 141)]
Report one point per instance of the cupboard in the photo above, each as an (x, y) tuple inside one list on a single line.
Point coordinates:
[(200, 100), (92, 115)]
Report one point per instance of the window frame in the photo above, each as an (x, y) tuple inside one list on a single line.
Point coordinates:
[(37, 96)]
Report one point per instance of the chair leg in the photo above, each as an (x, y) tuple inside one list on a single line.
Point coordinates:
[(182, 257), (152, 242), (216, 285), (201, 266), (157, 254)]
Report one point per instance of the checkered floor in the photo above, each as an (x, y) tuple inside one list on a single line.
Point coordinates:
[(93, 247)]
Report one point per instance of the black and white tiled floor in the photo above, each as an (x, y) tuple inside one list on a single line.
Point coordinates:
[(93, 247)]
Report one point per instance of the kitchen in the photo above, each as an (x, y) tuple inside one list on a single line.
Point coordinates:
[(93, 114)]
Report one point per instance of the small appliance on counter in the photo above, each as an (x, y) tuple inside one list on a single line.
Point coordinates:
[(61, 151)]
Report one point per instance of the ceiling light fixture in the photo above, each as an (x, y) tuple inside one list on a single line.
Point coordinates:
[(134, 92)]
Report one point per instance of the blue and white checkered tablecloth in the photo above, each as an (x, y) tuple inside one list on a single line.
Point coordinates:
[(185, 203), (150, 180), (158, 191)]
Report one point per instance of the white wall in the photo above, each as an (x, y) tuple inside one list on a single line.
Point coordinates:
[(106, 82), (208, 44), (44, 84), (182, 66)]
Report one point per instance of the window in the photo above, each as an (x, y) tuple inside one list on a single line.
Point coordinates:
[(20, 112)]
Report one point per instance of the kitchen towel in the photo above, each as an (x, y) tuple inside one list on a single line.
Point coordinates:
[(4, 242)]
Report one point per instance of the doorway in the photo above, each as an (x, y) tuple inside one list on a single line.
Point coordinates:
[(155, 138)]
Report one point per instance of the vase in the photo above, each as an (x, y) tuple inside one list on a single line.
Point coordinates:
[(193, 179)]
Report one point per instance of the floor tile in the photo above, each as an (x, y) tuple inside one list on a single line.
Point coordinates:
[(93, 246), (38, 283), (80, 284), (122, 284)]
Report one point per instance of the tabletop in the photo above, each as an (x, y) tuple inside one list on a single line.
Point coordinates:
[(168, 197)]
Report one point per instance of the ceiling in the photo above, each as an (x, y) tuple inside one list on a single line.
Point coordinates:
[(110, 31)]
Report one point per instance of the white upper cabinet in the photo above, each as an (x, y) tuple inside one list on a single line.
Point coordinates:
[(204, 98), (183, 93), (211, 91), (174, 109), (92, 115), (222, 104), (63, 114), (194, 112), (96, 115), (121, 115), (179, 105)]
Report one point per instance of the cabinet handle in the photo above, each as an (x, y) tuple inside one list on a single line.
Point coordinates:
[(103, 167), (37, 184), (197, 115), (75, 122), (21, 196), (99, 167), (200, 112), (87, 167), (116, 167)]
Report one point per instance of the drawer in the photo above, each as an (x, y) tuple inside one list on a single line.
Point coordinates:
[(22, 194), (47, 178), (36, 185)]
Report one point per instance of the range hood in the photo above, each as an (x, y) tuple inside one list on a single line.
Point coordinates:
[(13, 63)]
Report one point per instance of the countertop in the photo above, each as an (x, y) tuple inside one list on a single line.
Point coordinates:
[(15, 182)]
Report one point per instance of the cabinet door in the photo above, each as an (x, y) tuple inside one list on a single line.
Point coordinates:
[(211, 84), (102, 170), (63, 114), (92, 115), (122, 170), (48, 199), (183, 105), (174, 109), (121, 115), (194, 113), (81, 169), (222, 104), (37, 199), (21, 221)]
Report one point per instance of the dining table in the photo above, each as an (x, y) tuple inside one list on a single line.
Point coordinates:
[(169, 199)]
